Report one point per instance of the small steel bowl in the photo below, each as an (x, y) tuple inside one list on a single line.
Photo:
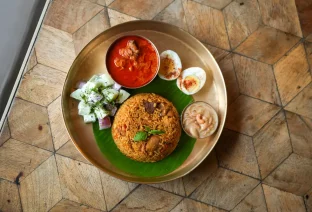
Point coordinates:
[(157, 53), (213, 113)]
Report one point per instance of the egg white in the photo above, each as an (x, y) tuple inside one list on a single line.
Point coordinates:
[(176, 68), (194, 72)]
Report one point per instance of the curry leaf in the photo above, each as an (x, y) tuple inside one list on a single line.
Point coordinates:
[(140, 136)]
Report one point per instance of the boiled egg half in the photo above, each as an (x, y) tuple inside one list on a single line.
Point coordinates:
[(191, 80), (170, 65)]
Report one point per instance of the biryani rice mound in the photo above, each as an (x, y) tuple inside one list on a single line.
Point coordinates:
[(137, 113)]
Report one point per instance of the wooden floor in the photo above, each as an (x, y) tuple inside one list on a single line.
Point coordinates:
[(263, 161)]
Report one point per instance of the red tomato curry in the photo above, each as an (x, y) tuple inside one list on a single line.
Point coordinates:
[(132, 61)]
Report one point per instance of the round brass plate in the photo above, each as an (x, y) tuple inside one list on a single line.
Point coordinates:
[(91, 60)]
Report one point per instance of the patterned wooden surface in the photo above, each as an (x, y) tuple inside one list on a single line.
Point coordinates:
[(263, 161)]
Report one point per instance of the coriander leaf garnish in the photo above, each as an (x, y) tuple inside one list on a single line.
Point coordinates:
[(140, 136), (156, 132)]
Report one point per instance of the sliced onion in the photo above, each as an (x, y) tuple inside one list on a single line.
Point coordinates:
[(116, 86), (113, 111), (111, 108), (105, 123), (80, 84)]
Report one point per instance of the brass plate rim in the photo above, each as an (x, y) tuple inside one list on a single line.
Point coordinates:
[(154, 179)]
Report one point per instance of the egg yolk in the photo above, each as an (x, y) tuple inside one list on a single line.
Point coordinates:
[(191, 83)]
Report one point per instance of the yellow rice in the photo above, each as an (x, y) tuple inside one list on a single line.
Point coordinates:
[(133, 117)]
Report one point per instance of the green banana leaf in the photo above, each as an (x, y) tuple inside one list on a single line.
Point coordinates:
[(169, 90)]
